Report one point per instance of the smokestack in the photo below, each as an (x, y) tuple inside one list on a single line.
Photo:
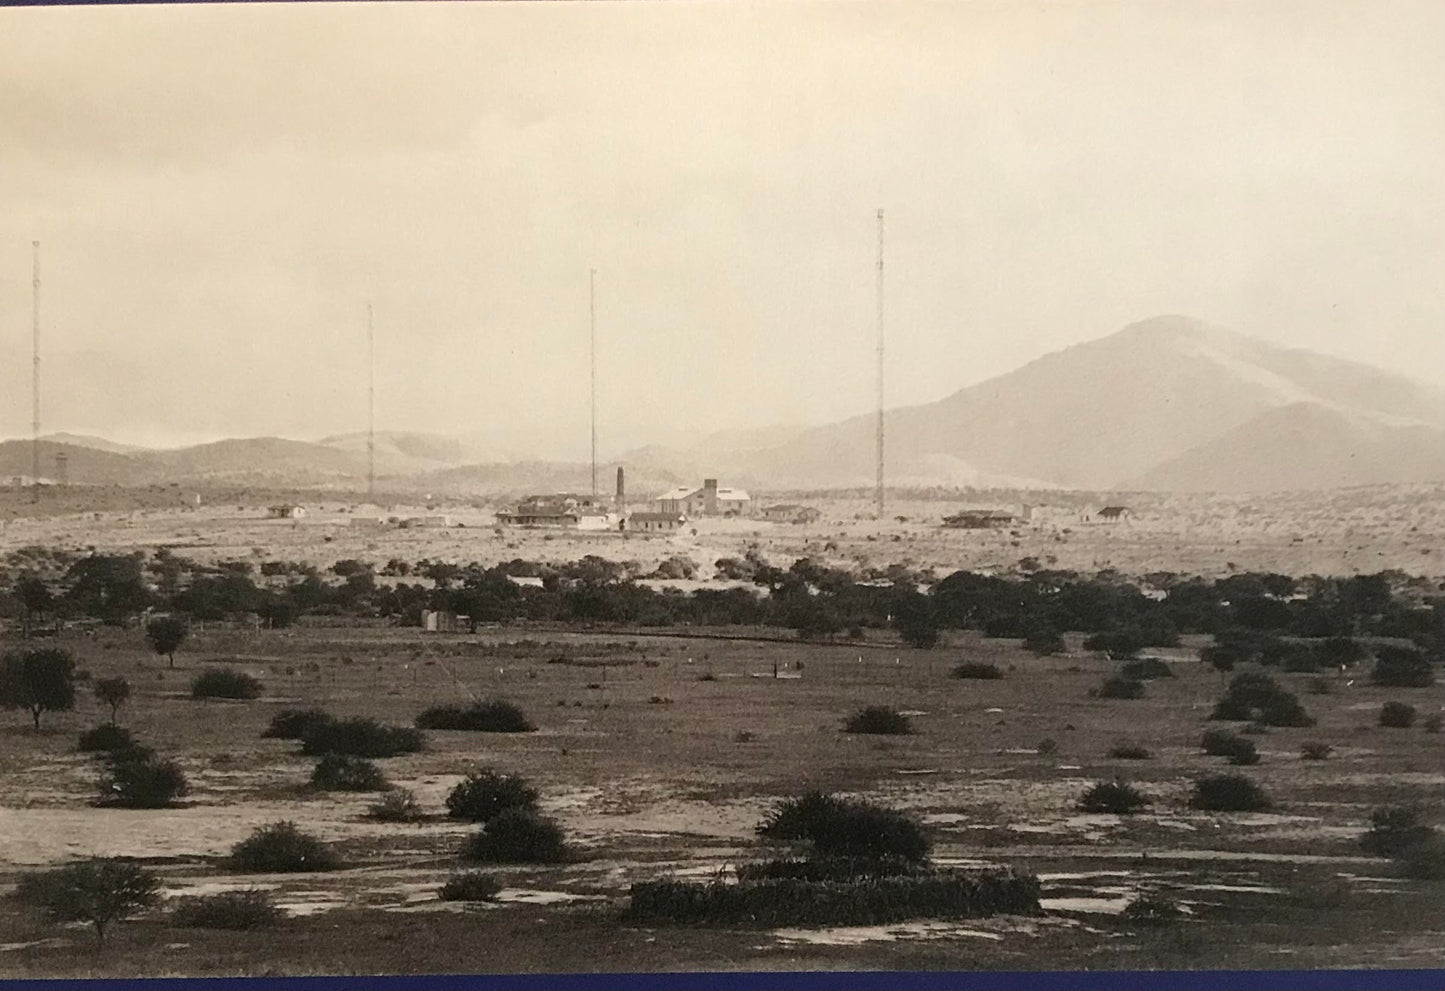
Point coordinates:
[(709, 496), (621, 491)]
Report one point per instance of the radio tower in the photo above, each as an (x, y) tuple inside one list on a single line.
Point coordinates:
[(878, 494), (592, 325), (35, 371), (370, 410)]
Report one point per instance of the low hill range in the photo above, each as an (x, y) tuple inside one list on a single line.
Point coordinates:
[(1167, 404)]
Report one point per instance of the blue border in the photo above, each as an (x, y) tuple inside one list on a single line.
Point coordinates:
[(1129, 980)]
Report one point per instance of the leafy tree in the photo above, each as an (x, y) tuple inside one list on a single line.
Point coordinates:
[(99, 891), (112, 692), (108, 587), (916, 621), (166, 634), (39, 681), (35, 597)]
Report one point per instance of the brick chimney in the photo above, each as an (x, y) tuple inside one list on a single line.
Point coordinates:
[(709, 496), (621, 492)]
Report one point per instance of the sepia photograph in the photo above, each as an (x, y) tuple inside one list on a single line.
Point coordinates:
[(706, 493)]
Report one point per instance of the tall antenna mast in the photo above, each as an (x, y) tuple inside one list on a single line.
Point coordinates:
[(35, 371), (592, 324), (370, 409), (878, 494)]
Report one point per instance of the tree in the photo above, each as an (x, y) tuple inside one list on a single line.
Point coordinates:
[(112, 692), (98, 891), (39, 681), (166, 634), (108, 587), (916, 620), (35, 598)]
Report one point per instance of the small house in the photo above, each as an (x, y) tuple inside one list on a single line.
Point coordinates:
[(284, 511), (654, 522)]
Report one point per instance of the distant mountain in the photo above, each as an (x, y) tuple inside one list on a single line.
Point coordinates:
[(1115, 411), (92, 443), (84, 464)]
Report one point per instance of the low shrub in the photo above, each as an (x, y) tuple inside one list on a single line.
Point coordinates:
[(397, 805), (1145, 669), (878, 719), (1394, 829), (1129, 751), (863, 901), (491, 716), (483, 795), (1121, 688), (292, 724), (1433, 723), (1425, 861), (982, 670), (470, 886), (1316, 751), (1116, 797), (106, 738), (1152, 910), (1223, 743), (225, 683), (250, 908), (1228, 793), (1047, 746), (340, 772), (99, 891), (1044, 641), (281, 848), (518, 836), (1397, 715), (360, 738), (829, 868), (1256, 697), (1245, 755), (137, 779), (844, 827)]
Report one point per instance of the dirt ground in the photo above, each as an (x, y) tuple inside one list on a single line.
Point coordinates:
[(662, 762)]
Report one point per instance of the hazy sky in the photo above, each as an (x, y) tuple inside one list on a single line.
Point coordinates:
[(219, 189)]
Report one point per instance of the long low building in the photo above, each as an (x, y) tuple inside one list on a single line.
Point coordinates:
[(563, 511)]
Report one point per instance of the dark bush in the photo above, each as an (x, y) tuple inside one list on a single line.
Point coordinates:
[(1152, 910), (1433, 723), (251, 908), (1397, 715), (360, 738), (1145, 669), (830, 868), (1316, 751), (1118, 644), (1223, 743), (281, 848), (470, 886), (99, 892), (1425, 861), (518, 836), (1044, 640), (878, 719), (1129, 751), (865, 901), (483, 795), (1228, 793), (1121, 688), (137, 779), (106, 738), (1116, 797), (844, 827), (292, 724), (225, 683), (397, 805), (1402, 667), (340, 772), (1253, 696), (1394, 829), (491, 716), (977, 669)]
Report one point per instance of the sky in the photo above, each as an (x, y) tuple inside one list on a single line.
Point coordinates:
[(220, 190)]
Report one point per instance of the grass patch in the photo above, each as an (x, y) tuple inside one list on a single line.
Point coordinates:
[(251, 908), (879, 720), (491, 716), (518, 836), (1229, 793), (981, 670), (340, 772), (861, 901), (397, 805), (360, 738), (225, 683), (281, 848), (1152, 910), (483, 795)]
